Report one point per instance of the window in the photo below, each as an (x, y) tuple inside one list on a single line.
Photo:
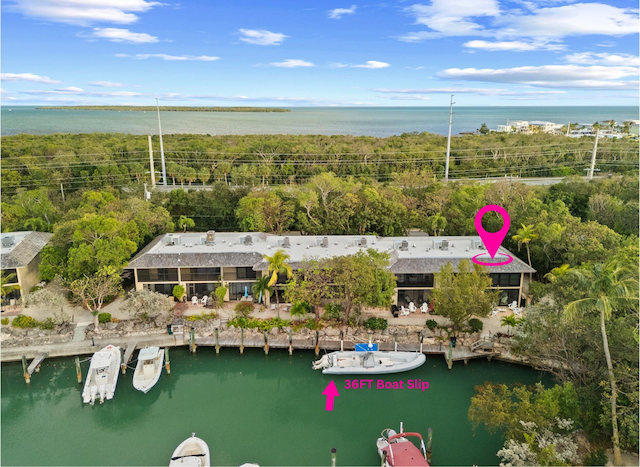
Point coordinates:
[(245, 273), (237, 289), (418, 297), (200, 290), (200, 274), (505, 280), (166, 289), (507, 297), (414, 280), (158, 275)]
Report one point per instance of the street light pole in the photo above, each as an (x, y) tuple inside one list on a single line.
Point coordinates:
[(164, 169), (446, 164)]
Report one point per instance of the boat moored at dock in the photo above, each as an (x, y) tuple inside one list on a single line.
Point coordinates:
[(102, 376), (148, 368), (395, 449), (368, 363), (191, 452)]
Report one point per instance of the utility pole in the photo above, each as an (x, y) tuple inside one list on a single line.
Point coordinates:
[(153, 172), (62, 191), (593, 156), (446, 164), (164, 170), (568, 128)]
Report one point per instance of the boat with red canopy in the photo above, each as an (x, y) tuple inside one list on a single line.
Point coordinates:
[(395, 449)]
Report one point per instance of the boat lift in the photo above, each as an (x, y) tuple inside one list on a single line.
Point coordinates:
[(34, 366)]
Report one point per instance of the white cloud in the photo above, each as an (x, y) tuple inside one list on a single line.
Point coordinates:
[(337, 65), (123, 35), (29, 77), (199, 58), (70, 89), (408, 98), (557, 76), (84, 12), (460, 90), (571, 20), (292, 63), (513, 46), (591, 58), (337, 13), (606, 44), (107, 84), (261, 37), (372, 64), (450, 18), (445, 18)]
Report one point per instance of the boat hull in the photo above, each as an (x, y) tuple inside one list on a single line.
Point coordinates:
[(400, 362), (144, 383), (102, 389), (191, 452)]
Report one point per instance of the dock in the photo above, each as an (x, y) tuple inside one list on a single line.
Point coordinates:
[(127, 356)]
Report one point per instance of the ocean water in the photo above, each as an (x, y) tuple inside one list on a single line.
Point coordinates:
[(358, 121), (251, 408)]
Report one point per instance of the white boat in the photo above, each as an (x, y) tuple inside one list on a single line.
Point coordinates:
[(191, 452), (102, 376), (368, 363), (148, 368)]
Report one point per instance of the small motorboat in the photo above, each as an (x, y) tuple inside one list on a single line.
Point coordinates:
[(148, 368), (368, 363), (396, 450), (102, 376), (191, 452)]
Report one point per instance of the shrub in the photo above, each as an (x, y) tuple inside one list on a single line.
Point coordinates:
[(145, 303), (24, 321), (203, 316), (178, 292), (47, 324), (220, 293), (432, 324), (333, 311), (244, 308), (476, 324), (376, 323), (301, 309), (597, 457), (104, 318), (4, 321)]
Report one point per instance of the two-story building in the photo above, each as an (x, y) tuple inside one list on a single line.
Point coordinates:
[(202, 261), (19, 260)]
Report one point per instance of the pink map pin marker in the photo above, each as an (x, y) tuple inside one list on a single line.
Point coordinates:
[(492, 240)]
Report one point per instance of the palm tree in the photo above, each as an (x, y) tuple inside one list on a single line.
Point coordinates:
[(526, 235), (560, 271), (278, 265), (509, 321), (5, 284), (262, 287), (613, 286)]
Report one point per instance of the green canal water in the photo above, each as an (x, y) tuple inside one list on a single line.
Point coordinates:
[(251, 408)]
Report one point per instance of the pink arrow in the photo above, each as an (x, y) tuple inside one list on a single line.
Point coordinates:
[(330, 391)]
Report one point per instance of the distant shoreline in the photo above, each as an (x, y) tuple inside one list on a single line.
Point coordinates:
[(165, 108)]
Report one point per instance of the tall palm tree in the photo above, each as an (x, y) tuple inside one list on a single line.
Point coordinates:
[(5, 286), (613, 287), (524, 236), (262, 287), (278, 265)]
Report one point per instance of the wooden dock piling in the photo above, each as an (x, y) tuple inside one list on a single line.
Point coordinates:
[(341, 341), (317, 350), (421, 339), (266, 343), (241, 341), (78, 369), (167, 364), (290, 342), (217, 342), (450, 357), (192, 342), (333, 457)]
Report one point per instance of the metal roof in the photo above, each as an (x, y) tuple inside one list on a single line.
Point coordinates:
[(409, 254), (26, 246)]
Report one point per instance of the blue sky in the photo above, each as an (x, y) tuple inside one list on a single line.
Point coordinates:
[(296, 53)]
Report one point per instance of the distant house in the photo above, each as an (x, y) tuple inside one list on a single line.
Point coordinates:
[(516, 126), (545, 127), (20, 255), (202, 261)]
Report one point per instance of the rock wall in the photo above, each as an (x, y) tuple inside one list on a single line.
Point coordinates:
[(16, 337)]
